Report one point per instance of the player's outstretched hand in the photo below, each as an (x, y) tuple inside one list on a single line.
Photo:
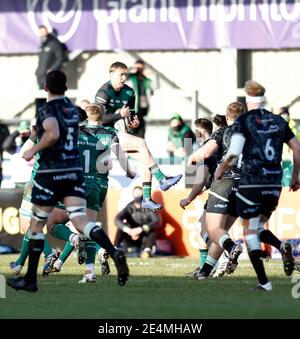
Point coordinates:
[(184, 202)]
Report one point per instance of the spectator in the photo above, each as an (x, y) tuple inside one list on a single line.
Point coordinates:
[(219, 121), (143, 91), (51, 56), (137, 227), (180, 138), (4, 133), (20, 169), (285, 114), (13, 142)]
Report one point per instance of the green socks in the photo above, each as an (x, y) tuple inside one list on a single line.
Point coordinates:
[(68, 249), (146, 190), (90, 247), (61, 231), (203, 256), (24, 251), (47, 248), (155, 170), (25, 248)]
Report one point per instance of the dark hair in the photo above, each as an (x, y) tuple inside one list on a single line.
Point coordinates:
[(43, 26), (140, 61), (284, 110), (220, 120), (204, 123), (82, 114), (56, 82), (117, 65)]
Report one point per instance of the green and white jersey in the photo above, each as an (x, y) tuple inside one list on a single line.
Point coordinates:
[(94, 147), (113, 100)]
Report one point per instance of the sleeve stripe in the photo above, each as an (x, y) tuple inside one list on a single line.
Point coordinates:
[(98, 99)]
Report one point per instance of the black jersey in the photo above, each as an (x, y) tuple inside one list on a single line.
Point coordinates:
[(212, 163), (222, 137), (265, 135), (113, 100), (63, 154)]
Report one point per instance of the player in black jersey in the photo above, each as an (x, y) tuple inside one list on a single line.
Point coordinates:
[(220, 210), (119, 101), (59, 178), (259, 135), (202, 181), (204, 171)]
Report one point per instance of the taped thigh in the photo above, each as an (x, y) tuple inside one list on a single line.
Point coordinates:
[(75, 211), (39, 214)]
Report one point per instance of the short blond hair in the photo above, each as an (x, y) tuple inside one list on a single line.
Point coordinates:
[(95, 111), (235, 109), (254, 89), (117, 65)]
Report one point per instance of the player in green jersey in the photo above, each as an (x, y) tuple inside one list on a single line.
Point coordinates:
[(119, 101)]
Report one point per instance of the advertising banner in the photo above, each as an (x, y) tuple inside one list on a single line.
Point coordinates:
[(10, 202), (151, 24), (182, 227)]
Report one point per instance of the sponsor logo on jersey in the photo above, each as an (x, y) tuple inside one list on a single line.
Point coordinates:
[(68, 176), (271, 192), (220, 205), (271, 129)]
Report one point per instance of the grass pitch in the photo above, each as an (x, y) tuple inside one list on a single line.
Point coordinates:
[(157, 289)]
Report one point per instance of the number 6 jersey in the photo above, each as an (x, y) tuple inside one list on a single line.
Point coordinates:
[(265, 135)]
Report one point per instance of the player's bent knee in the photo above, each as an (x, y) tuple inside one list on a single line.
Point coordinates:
[(89, 227)]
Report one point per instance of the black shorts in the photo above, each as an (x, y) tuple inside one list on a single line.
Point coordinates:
[(255, 201), (222, 198), (49, 188)]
